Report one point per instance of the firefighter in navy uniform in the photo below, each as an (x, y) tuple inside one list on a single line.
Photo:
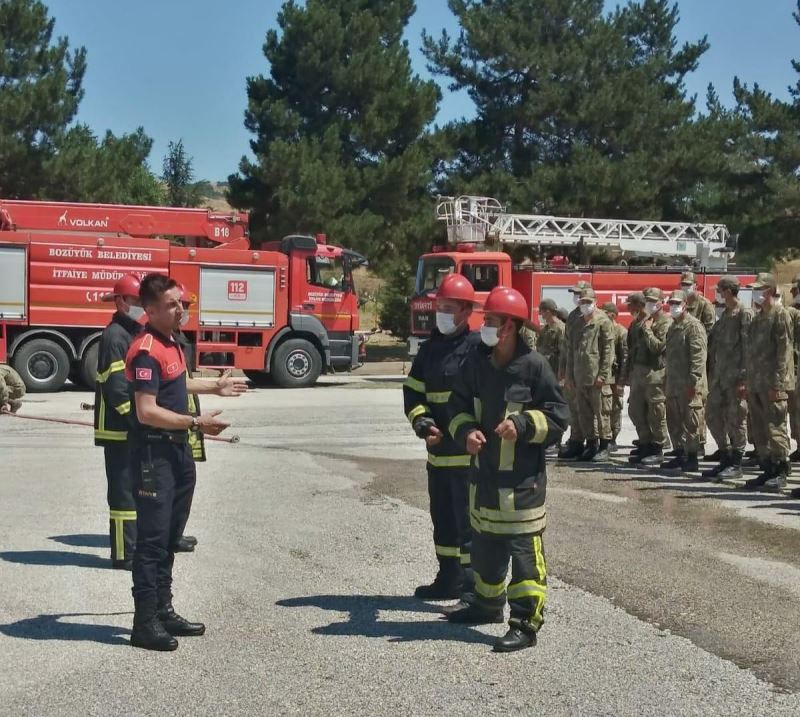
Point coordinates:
[(425, 396), (162, 466), (506, 409), (112, 404)]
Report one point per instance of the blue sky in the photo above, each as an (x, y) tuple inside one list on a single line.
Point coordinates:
[(178, 67)]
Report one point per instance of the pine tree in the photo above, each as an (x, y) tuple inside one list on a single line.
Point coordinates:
[(178, 177), (339, 129)]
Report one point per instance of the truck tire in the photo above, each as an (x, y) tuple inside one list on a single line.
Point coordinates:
[(296, 363), (88, 372), (42, 364), (260, 379)]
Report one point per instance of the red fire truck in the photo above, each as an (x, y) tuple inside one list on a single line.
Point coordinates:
[(288, 310), (482, 238)]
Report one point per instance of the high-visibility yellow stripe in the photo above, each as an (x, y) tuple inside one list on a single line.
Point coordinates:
[(484, 525), (113, 368), (505, 501), (124, 408), (540, 424), (510, 516), (123, 514), (111, 435), (477, 406), (541, 565), (526, 588), (460, 420), (507, 447), (415, 384), (488, 590), (417, 411), (445, 551), (438, 396), (450, 461), (119, 539), (466, 559)]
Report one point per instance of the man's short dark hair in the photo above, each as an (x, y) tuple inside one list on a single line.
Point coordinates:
[(153, 286)]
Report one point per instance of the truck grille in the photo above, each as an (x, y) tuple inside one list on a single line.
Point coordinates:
[(424, 321)]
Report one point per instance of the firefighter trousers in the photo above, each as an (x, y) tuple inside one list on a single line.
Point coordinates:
[(526, 593), (449, 503), (164, 480), (121, 505)]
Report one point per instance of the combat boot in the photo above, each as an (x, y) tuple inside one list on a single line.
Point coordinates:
[(733, 470), (589, 452), (780, 473), (654, 457), (475, 615), (603, 455), (148, 632), (517, 638), (178, 626), (572, 451), (724, 462), (751, 459), (447, 585), (641, 452), (762, 478), (692, 463), (676, 463), (185, 544)]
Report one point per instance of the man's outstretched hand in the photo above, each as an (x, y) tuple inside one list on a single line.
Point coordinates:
[(227, 385)]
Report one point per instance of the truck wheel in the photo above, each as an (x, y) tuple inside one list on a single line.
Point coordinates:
[(296, 364), (260, 379), (88, 373), (42, 364)]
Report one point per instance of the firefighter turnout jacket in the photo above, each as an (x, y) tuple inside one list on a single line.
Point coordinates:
[(112, 403), (507, 490), (427, 391)]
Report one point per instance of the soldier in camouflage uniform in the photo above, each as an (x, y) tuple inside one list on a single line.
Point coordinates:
[(617, 370), (794, 394), (575, 445), (686, 383), (589, 375), (647, 343), (697, 304), (727, 399), (551, 334), (12, 389), (770, 376)]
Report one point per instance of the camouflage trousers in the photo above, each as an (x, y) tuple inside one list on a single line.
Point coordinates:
[(769, 425), (726, 415), (647, 410), (684, 420), (794, 415), (575, 431), (594, 412), (12, 388), (616, 413)]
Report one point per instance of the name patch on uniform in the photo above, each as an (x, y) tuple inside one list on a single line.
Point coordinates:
[(144, 374), (173, 367)]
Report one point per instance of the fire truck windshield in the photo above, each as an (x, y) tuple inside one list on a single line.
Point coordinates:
[(329, 272), (430, 273)]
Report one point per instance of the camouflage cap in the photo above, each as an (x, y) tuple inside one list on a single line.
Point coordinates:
[(579, 286), (548, 305), (764, 281), (728, 282), (677, 297), (637, 297), (688, 278), (653, 294), (611, 308), (587, 294)]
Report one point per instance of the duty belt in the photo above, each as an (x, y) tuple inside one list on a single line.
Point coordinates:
[(178, 437)]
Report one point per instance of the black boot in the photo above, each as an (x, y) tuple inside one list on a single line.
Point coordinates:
[(604, 453), (641, 452), (447, 585), (122, 564), (178, 626), (751, 459), (762, 478), (676, 463), (185, 544), (780, 472), (795, 493), (692, 463), (517, 638), (148, 632), (589, 452), (724, 462), (572, 451), (733, 470), (654, 456), (475, 615)]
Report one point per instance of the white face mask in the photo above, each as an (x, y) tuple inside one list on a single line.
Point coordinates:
[(587, 309), (576, 299), (135, 312), (445, 323), (718, 298), (185, 318), (719, 311), (650, 308), (690, 290), (489, 335), (758, 297), (676, 310)]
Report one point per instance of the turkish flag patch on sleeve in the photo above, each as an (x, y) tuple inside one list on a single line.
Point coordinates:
[(144, 374)]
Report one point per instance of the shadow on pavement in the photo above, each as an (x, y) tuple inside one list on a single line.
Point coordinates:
[(56, 557), (363, 620), (82, 540), (50, 627)]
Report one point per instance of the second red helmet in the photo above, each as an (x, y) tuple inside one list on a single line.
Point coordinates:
[(128, 285), (508, 302)]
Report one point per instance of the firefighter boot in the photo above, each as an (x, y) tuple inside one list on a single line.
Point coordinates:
[(724, 462), (517, 638), (572, 451), (604, 454), (762, 478), (185, 544), (447, 585), (780, 472), (148, 632), (676, 463), (589, 452), (733, 470), (475, 615)]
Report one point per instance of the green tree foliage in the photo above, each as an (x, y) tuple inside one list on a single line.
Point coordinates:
[(40, 89), (339, 129), (579, 112), (178, 177)]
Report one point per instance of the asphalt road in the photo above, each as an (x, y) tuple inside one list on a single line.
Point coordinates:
[(668, 596)]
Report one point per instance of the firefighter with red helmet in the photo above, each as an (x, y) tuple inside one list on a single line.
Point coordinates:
[(425, 395), (506, 409)]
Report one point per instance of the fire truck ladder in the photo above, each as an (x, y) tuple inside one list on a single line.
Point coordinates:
[(483, 220)]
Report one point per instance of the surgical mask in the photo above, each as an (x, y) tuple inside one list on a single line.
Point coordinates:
[(650, 308), (690, 290), (758, 297), (489, 335), (445, 323), (135, 312), (587, 309), (719, 311), (576, 299), (185, 318), (676, 310), (718, 298)]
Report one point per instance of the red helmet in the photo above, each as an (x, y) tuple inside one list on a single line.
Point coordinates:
[(128, 285), (508, 302), (456, 287)]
